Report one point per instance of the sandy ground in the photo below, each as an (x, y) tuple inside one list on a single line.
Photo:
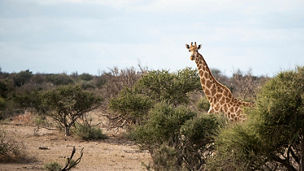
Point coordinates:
[(113, 153)]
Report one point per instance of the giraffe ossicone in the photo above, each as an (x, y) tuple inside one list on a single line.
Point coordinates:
[(219, 96)]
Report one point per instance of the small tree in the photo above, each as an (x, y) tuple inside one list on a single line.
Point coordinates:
[(68, 103), (132, 104), (22, 77)]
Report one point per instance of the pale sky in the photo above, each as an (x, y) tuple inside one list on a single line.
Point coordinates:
[(55, 36)]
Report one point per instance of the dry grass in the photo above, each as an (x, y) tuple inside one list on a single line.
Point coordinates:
[(12, 150), (114, 153)]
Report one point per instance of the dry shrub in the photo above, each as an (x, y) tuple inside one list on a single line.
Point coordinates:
[(24, 119), (246, 85), (117, 79), (11, 150)]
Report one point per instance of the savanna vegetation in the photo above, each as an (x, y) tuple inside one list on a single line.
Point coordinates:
[(165, 113)]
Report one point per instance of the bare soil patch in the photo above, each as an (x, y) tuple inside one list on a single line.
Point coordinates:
[(114, 153)]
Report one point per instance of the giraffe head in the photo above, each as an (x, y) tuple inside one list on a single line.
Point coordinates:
[(193, 48)]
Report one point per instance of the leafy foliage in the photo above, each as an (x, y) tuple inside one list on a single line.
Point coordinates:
[(59, 79), (171, 88), (22, 77), (86, 77), (203, 104), (133, 103), (176, 138), (131, 106), (88, 132), (162, 126), (68, 103)]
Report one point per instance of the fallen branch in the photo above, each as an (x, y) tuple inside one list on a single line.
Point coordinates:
[(72, 163)]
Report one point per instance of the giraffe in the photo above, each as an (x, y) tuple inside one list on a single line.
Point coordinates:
[(219, 96)]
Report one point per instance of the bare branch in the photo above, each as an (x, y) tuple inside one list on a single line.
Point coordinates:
[(71, 163)]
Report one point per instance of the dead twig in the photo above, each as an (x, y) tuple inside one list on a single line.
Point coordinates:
[(72, 163)]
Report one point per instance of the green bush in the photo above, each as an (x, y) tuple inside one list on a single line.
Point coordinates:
[(53, 166), (22, 77), (272, 137), (133, 104), (59, 79), (203, 104), (197, 144), (176, 138), (132, 107), (201, 130), (2, 103), (87, 86), (3, 89), (163, 125), (88, 132), (171, 88), (66, 104), (28, 99), (164, 158), (86, 77)]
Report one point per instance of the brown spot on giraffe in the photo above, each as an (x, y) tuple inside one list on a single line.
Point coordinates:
[(218, 96), (206, 75), (208, 83), (225, 108), (219, 89), (203, 81), (231, 109), (207, 92), (222, 100), (201, 72), (213, 91)]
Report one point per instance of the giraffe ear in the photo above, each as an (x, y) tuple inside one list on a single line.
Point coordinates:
[(187, 46), (199, 46)]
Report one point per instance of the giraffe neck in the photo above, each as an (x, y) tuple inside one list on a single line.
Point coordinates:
[(207, 80)]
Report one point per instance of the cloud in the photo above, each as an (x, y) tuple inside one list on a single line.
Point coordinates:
[(91, 34)]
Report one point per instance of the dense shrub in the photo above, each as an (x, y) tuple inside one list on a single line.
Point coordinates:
[(177, 138), (164, 158), (197, 143), (203, 104), (86, 77), (2, 103), (59, 79), (28, 99), (88, 132), (163, 125), (168, 87), (272, 137), (22, 77), (132, 107), (3, 89), (132, 104), (88, 86)]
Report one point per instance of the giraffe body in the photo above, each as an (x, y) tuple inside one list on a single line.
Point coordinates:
[(219, 96)]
